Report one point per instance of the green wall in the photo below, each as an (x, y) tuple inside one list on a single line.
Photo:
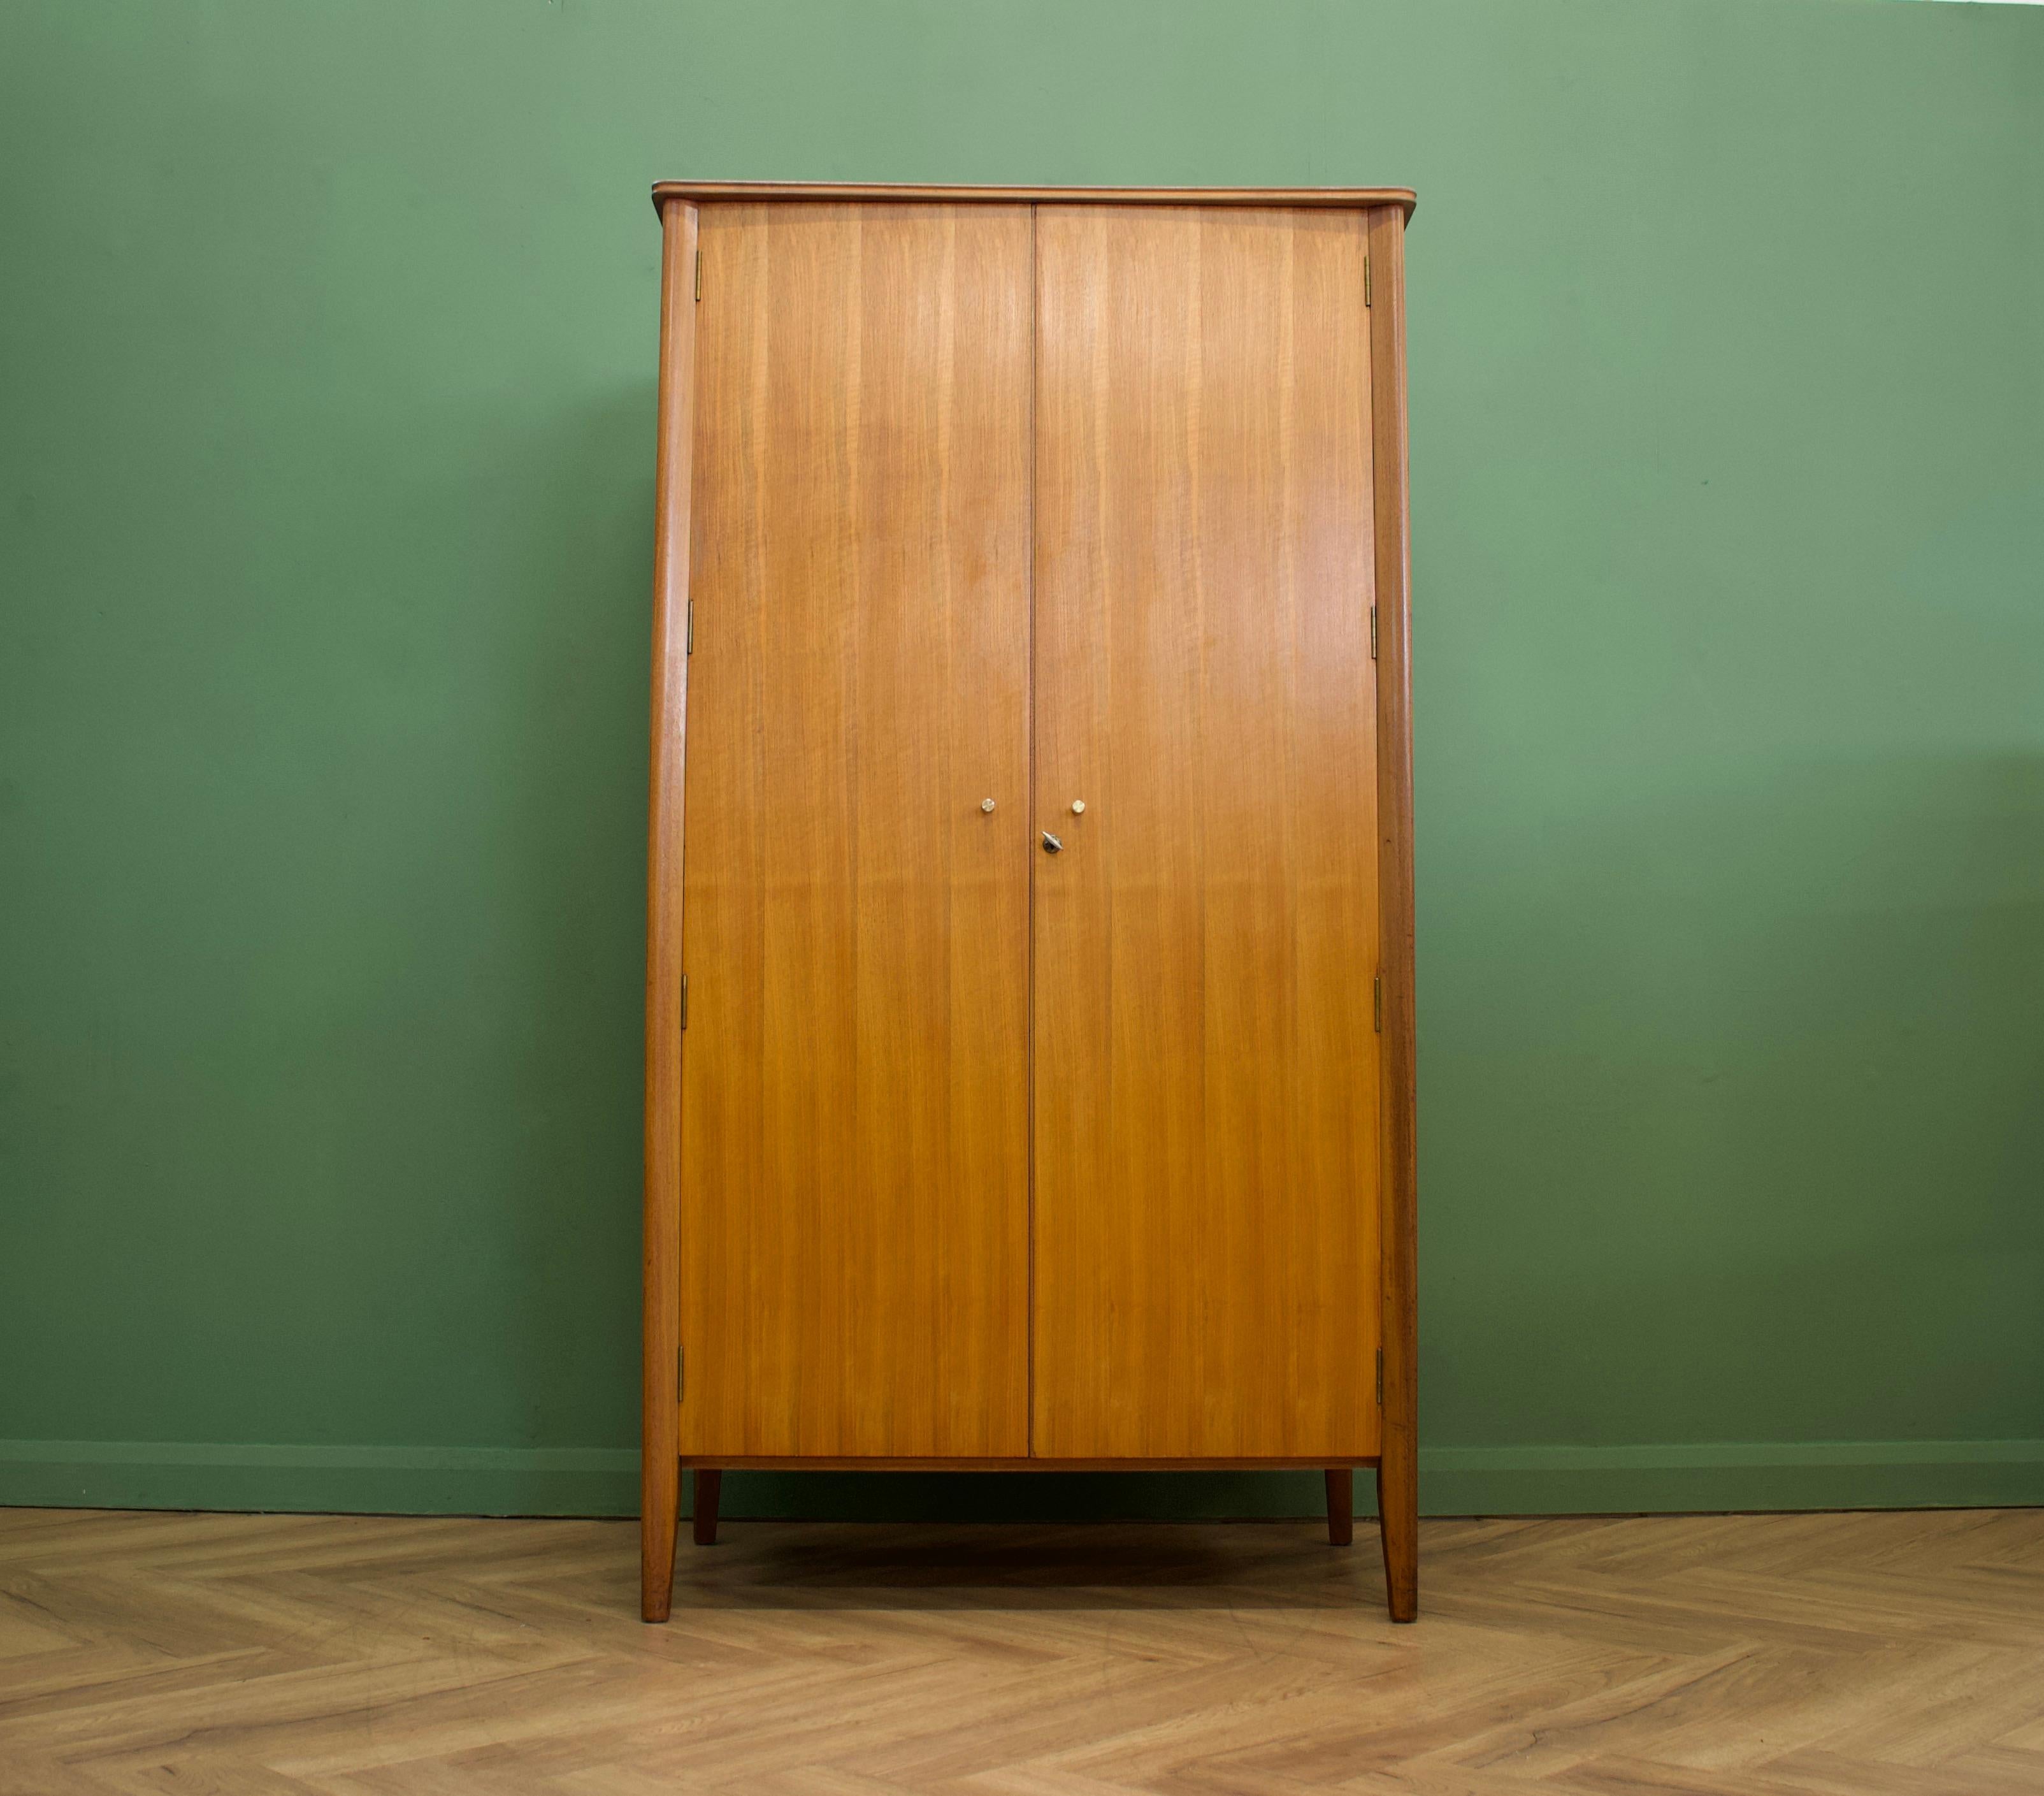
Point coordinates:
[(326, 348)]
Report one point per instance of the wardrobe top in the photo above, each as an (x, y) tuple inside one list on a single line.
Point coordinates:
[(1350, 198)]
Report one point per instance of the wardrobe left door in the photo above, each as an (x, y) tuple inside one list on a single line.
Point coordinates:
[(854, 1230)]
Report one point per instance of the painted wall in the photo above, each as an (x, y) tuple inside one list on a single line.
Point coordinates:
[(327, 351)]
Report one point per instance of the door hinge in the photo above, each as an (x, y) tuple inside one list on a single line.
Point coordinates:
[(681, 1368), (1372, 633), (1380, 1378), (691, 648), (1366, 275), (685, 1000), (1366, 282), (1376, 1001)]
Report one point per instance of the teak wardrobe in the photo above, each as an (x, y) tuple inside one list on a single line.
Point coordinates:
[(1029, 1050)]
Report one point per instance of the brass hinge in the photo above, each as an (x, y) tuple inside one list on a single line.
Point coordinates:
[(691, 648), (682, 1366), (685, 1000), (1372, 633), (1366, 282), (1366, 275), (1376, 1001), (1380, 1378)]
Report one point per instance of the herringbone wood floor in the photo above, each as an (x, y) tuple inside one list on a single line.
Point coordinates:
[(1761, 1655)]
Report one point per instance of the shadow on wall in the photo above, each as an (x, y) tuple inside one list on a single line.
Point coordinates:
[(1731, 1116)]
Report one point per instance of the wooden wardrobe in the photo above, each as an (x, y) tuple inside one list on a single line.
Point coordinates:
[(1029, 1049)]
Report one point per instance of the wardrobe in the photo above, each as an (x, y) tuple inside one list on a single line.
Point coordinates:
[(1029, 1051)]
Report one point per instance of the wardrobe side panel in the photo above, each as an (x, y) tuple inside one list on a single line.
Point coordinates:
[(1207, 1265), (1398, 1476), (854, 1227), (659, 1479)]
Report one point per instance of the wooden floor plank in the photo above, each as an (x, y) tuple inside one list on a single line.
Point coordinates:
[(1862, 1654)]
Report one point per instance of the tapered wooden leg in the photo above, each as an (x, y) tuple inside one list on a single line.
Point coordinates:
[(659, 1518), (1398, 1505), (1340, 1505), (709, 1487)]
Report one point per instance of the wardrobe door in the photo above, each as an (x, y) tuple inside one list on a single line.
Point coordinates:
[(1205, 1072), (855, 1205)]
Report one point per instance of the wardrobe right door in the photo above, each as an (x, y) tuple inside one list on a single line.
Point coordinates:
[(1206, 1270)]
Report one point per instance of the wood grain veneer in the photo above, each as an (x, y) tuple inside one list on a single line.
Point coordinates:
[(854, 1244), (1205, 1054)]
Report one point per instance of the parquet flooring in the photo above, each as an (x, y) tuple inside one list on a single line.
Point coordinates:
[(1760, 1656)]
